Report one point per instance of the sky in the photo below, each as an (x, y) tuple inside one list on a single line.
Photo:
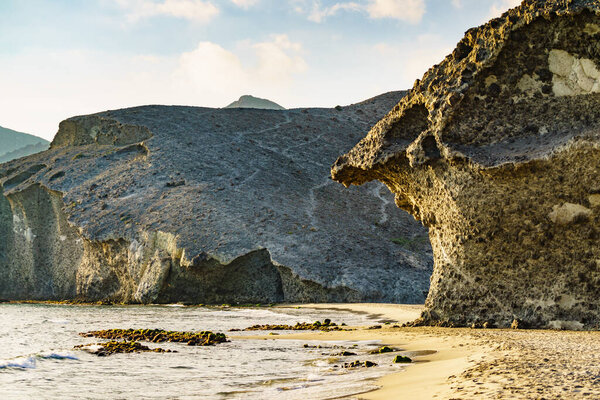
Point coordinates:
[(62, 58)]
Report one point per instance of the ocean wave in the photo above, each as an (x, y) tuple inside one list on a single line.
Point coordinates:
[(30, 362), (58, 321), (19, 363), (57, 356)]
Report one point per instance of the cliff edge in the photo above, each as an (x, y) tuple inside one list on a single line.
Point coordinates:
[(162, 204), (496, 151)]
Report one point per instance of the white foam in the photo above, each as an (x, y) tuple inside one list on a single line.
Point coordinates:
[(19, 363), (58, 321), (57, 356)]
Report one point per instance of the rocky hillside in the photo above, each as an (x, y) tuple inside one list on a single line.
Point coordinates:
[(248, 101), (166, 204), (497, 151), (15, 144)]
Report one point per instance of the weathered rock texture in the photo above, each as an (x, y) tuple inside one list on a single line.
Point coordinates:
[(165, 204), (496, 150)]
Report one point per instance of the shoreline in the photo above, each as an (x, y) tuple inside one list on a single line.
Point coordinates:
[(463, 363), (453, 350), (476, 363)]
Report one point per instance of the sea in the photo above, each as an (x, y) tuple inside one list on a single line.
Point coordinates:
[(38, 359)]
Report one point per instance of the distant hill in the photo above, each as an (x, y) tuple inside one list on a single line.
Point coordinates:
[(15, 144), (248, 101)]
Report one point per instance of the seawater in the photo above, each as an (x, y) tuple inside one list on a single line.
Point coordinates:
[(37, 359)]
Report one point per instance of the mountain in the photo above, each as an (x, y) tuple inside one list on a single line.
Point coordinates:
[(161, 204), (15, 144), (248, 101)]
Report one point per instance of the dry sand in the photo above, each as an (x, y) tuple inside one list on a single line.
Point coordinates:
[(477, 363)]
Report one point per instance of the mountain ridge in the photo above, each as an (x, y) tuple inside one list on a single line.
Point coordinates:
[(14, 144)]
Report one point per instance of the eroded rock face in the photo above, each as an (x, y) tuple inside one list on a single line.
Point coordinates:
[(496, 151), (166, 204)]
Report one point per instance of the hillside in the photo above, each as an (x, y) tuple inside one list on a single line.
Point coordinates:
[(170, 203), (15, 144), (255, 102)]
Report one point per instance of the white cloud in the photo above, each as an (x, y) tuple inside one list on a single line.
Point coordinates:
[(57, 85), (404, 10), (457, 3), (245, 3), (275, 63), (413, 59), (500, 7), (318, 13), (195, 10), (219, 74)]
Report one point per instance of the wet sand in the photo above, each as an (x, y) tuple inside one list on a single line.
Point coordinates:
[(477, 363)]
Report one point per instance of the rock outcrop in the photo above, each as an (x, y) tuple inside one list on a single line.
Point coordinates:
[(496, 150), (166, 204)]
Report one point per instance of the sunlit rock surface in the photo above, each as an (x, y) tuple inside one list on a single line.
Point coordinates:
[(165, 204), (496, 150)]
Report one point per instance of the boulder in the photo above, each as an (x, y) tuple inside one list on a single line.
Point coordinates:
[(496, 151)]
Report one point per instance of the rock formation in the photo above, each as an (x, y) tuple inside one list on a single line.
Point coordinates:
[(165, 204), (15, 144), (248, 101), (496, 150)]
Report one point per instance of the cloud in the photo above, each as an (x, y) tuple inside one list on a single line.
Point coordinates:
[(404, 10), (219, 74), (500, 7), (457, 3), (194, 10), (245, 3), (54, 85), (318, 13), (412, 59)]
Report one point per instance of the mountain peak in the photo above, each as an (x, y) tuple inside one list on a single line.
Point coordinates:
[(248, 101)]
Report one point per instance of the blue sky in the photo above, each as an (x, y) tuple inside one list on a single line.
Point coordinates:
[(62, 58)]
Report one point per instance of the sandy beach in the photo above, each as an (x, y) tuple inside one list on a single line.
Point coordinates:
[(476, 363)]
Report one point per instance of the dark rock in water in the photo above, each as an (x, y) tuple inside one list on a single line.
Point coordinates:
[(382, 350), (359, 364), (401, 360), (300, 326), (104, 214), (345, 354), (369, 364), (496, 150), (115, 347), (204, 338), (248, 101)]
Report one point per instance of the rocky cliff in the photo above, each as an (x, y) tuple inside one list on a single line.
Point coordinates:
[(496, 150), (165, 204)]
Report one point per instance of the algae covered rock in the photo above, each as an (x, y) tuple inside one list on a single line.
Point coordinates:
[(162, 204), (496, 150), (402, 360), (116, 347), (203, 338)]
